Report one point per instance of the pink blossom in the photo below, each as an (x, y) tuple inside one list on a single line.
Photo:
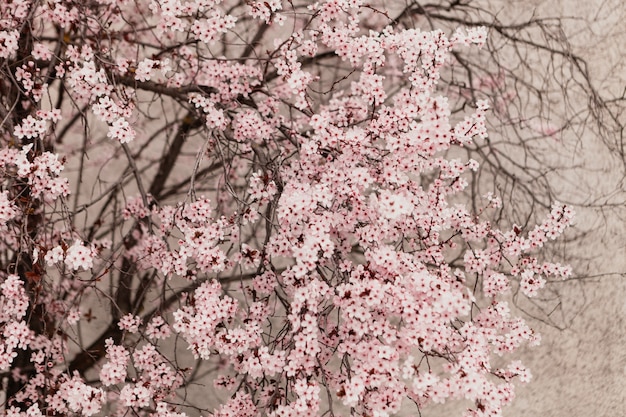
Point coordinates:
[(130, 323), (8, 43), (135, 396), (79, 256), (8, 210)]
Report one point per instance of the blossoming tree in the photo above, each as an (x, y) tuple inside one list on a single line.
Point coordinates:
[(264, 196)]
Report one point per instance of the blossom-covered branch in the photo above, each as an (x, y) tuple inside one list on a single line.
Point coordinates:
[(270, 197)]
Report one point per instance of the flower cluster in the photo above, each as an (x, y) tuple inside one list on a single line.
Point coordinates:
[(114, 371), (14, 299), (15, 332), (78, 256), (75, 396), (8, 210), (197, 323), (130, 323), (8, 43)]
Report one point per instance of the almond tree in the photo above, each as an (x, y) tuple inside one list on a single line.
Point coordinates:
[(272, 198)]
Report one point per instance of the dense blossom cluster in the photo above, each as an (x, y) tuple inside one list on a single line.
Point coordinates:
[(331, 270)]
